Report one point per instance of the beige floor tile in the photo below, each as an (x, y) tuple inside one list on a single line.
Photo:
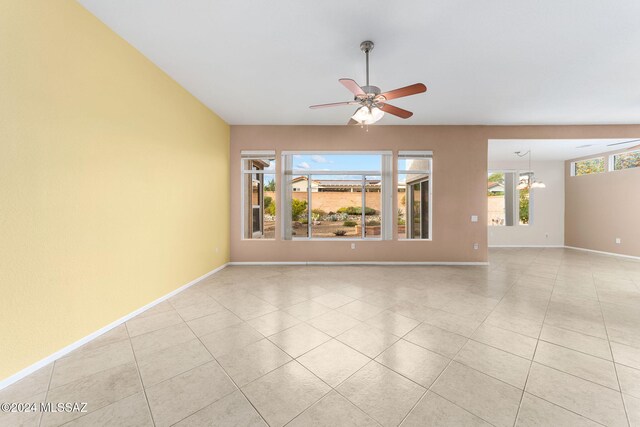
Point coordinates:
[(190, 296), (299, 339), (331, 411), (119, 333), (460, 325), (230, 339), (633, 409), (381, 393), (131, 411), (333, 300), (97, 390), (333, 323), (434, 410), (579, 364), (490, 399), (629, 380), (583, 397), (152, 342), (368, 339), (253, 361), (281, 299), (414, 362), (213, 322), (142, 325), (199, 309), (231, 410), (435, 339), (360, 310), (333, 362), (82, 364), (249, 307), (31, 385), (411, 310), (161, 307), (284, 393), (515, 323), (575, 340), (307, 310), (183, 395), (626, 355), (512, 342), (536, 412), (273, 322), (393, 323), (22, 419), (171, 361), (499, 364)]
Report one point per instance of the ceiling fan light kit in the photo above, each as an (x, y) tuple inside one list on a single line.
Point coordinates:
[(372, 103)]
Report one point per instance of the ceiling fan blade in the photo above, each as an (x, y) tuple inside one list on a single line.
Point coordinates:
[(352, 122), (387, 108), (353, 87), (404, 91), (334, 104)]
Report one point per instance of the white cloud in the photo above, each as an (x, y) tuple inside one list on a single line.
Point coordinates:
[(303, 165), (319, 159)]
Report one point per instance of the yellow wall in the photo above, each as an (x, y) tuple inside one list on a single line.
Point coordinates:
[(114, 181)]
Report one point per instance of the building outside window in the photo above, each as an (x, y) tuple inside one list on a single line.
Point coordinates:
[(259, 195)]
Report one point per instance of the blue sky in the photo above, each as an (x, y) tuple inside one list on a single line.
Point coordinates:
[(337, 162)]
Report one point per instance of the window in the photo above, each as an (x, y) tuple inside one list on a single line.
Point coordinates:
[(414, 195), (628, 160), (336, 196), (259, 195), (587, 167), (510, 198)]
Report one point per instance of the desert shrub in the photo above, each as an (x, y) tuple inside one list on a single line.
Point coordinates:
[(297, 208), (340, 232), (349, 223), (373, 222), (401, 222), (318, 212), (271, 209), (357, 210)]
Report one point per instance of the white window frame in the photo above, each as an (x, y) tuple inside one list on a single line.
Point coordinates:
[(604, 163), (254, 155), (386, 198), (612, 160), (516, 205), (416, 155)]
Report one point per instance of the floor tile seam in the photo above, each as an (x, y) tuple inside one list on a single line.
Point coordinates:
[(144, 390), (93, 373), (615, 368), (46, 394), (80, 351), (563, 407), (464, 409), (227, 375), (524, 387), (577, 351)]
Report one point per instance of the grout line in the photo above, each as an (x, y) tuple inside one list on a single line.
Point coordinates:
[(615, 369), (526, 381), (46, 394), (144, 390)]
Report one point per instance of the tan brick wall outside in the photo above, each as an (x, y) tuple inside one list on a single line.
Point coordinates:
[(331, 201)]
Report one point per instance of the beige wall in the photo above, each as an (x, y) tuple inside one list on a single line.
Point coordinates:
[(601, 207), (114, 180), (459, 185)]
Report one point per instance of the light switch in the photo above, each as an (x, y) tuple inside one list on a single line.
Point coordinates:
[(474, 218)]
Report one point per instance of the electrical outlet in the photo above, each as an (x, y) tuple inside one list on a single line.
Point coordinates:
[(618, 240), (353, 246), (474, 218), (476, 246)]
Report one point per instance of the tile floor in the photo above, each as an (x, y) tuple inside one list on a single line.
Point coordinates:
[(540, 337)]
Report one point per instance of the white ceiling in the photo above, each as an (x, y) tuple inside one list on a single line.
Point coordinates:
[(484, 62), (502, 150)]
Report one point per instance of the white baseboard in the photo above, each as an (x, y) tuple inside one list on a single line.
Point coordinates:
[(527, 246), (603, 253), (355, 263), (66, 350)]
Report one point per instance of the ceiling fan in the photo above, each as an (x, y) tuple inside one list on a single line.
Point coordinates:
[(372, 103)]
